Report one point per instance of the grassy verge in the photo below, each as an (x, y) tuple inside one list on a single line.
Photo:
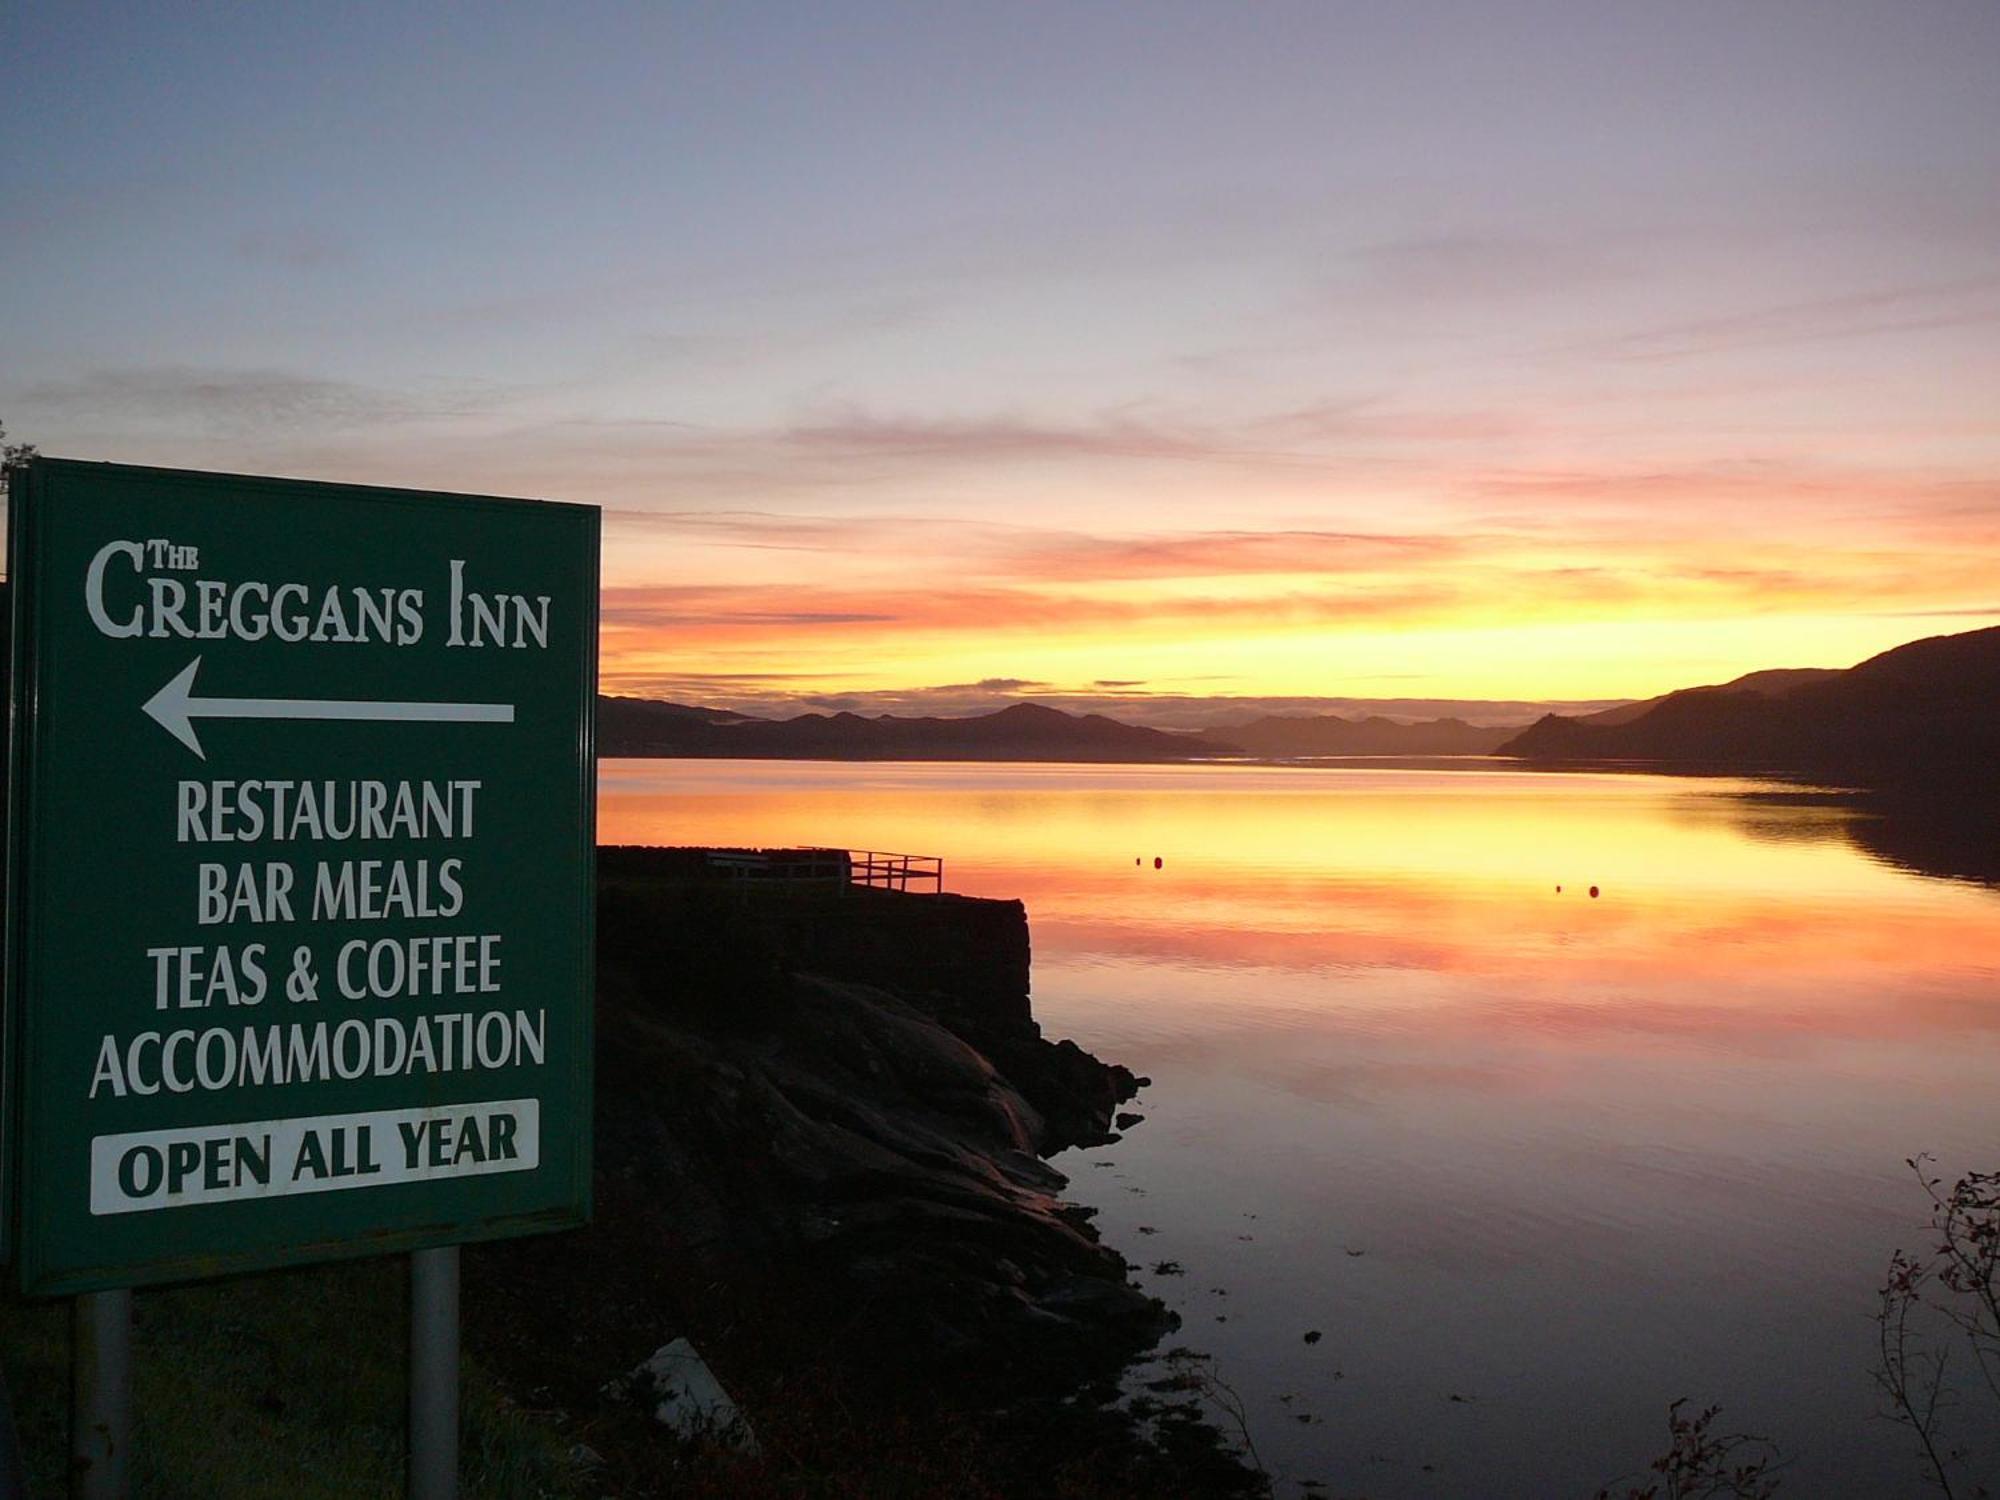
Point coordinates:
[(292, 1383)]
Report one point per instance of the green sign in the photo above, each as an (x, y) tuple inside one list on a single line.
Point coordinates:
[(300, 871)]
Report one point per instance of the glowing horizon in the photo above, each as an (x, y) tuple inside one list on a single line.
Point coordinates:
[(801, 614)]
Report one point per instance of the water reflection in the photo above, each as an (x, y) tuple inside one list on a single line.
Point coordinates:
[(1950, 836), (1595, 1153)]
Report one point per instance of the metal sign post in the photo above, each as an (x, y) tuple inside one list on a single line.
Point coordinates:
[(434, 1374), (100, 1439)]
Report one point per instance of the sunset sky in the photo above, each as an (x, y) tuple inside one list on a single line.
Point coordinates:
[(1114, 354)]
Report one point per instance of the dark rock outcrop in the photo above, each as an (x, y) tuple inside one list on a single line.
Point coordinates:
[(839, 1083), (821, 1137)]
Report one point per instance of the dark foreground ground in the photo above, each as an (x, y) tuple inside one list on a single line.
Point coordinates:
[(821, 1129)]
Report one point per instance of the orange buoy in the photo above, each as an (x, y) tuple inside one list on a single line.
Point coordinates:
[(1593, 893)]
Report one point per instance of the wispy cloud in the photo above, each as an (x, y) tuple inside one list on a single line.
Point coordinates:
[(1052, 555), (1969, 302), (1000, 611), (1208, 554), (760, 607), (1969, 612), (1288, 437), (1795, 502), (778, 531), (245, 403), (997, 437)]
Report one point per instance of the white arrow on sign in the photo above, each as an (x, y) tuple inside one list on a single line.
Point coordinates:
[(175, 708)]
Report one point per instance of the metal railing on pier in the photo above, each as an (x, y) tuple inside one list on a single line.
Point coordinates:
[(897, 872), (920, 874)]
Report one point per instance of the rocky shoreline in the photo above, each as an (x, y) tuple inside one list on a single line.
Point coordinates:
[(823, 1129)]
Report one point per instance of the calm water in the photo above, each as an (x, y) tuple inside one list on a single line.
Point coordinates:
[(1533, 1163)]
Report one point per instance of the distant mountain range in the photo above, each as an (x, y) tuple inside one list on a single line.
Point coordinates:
[(1928, 710), (1024, 731), (1329, 734)]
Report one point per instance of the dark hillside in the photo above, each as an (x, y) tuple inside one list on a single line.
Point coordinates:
[(1929, 710)]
